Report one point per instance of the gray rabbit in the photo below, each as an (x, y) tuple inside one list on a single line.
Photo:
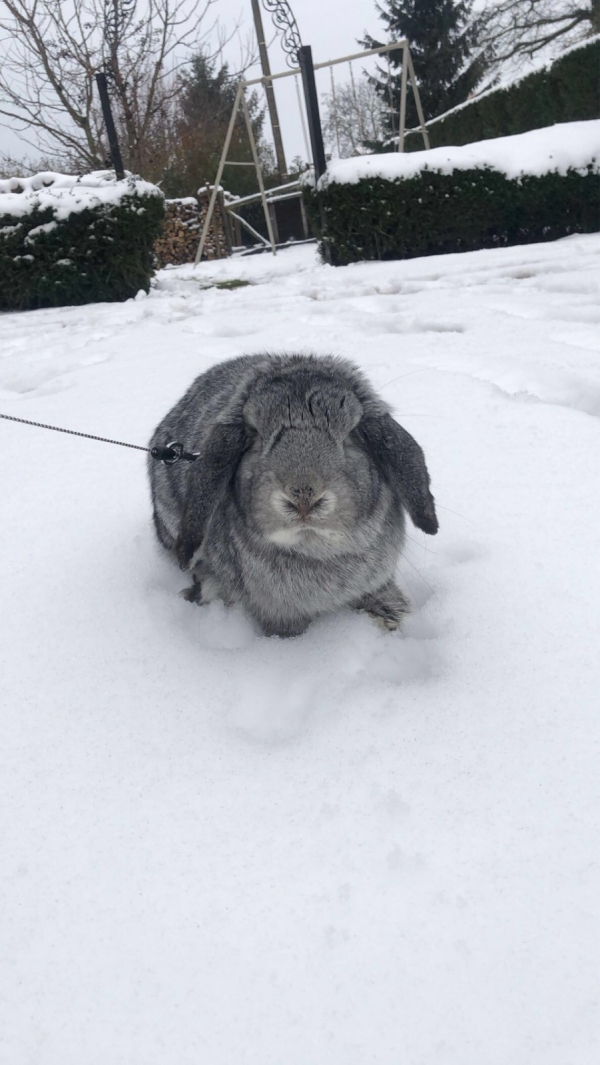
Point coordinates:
[(295, 504)]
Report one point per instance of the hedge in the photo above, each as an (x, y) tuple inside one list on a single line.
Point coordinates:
[(567, 90), (67, 240), (459, 200)]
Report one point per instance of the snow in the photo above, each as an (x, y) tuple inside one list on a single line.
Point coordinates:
[(565, 146), (67, 194), (345, 848)]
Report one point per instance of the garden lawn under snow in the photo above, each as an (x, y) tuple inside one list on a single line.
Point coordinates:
[(345, 848)]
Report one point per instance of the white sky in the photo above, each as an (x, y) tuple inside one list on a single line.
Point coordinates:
[(331, 27)]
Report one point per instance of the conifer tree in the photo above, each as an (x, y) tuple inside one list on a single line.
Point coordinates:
[(196, 132), (442, 36)]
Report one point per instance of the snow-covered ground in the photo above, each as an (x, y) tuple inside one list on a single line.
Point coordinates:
[(345, 848)]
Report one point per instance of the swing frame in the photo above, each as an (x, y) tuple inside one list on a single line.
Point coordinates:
[(293, 188)]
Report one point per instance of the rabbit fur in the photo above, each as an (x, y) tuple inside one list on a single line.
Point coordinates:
[(295, 506)]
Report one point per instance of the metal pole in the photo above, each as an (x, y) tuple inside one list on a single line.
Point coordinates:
[(115, 151), (240, 201), (329, 62), (314, 128), (402, 125), (269, 91), (415, 89), (247, 226), (302, 119), (261, 183), (361, 55), (213, 199), (312, 109)]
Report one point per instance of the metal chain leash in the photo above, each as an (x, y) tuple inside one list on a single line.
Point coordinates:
[(169, 454)]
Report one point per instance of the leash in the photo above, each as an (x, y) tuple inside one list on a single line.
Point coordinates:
[(169, 454)]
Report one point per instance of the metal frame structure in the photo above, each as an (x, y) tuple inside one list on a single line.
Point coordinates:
[(293, 188), (285, 22)]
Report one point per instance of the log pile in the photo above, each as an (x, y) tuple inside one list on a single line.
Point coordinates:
[(182, 227), (218, 241), (178, 241)]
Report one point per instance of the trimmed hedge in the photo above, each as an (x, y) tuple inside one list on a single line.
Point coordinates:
[(434, 212), (568, 90), (100, 252)]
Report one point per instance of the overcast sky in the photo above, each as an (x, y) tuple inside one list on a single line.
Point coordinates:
[(331, 27)]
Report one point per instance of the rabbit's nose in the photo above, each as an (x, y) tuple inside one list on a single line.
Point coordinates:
[(301, 496), (304, 498)]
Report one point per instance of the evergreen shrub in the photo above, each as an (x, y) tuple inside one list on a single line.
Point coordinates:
[(66, 241), (435, 212), (567, 90)]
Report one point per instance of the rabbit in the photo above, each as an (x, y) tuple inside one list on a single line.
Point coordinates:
[(295, 506)]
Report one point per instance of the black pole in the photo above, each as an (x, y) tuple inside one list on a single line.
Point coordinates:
[(307, 70), (115, 151), (312, 109)]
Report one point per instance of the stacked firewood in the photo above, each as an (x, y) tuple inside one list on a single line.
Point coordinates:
[(218, 240), (182, 227)]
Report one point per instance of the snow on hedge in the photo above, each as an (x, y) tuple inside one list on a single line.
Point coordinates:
[(567, 146), (71, 240), (67, 194)]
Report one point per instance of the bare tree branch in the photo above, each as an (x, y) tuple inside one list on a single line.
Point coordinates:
[(519, 29), (50, 51), (353, 117)]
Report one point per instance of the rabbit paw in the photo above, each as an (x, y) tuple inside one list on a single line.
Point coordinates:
[(387, 606)]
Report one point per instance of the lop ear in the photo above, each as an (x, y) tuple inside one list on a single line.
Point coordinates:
[(207, 480), (402, 464)]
